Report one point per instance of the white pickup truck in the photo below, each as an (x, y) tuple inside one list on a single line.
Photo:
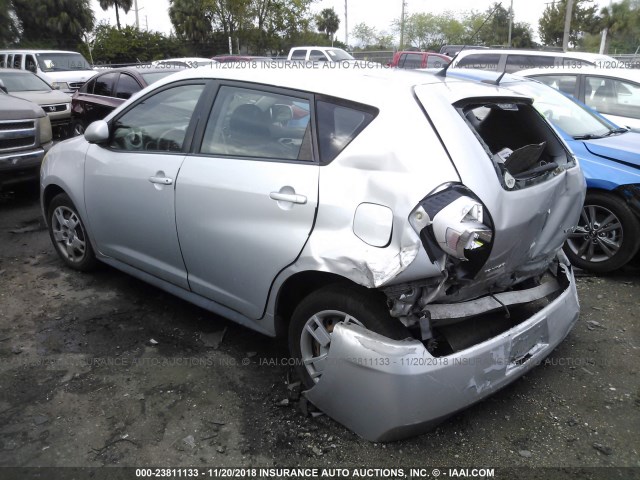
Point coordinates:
[(318, 54)]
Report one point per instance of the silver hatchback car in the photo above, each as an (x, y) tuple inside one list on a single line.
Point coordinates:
[(411, 254)]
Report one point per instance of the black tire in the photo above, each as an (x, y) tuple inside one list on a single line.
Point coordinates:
[(69, 235), (607, 234), (367, 307)]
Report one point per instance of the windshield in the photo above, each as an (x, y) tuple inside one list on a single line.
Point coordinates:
[(563, 112), (62, 62), (337, 55), (23, 82)]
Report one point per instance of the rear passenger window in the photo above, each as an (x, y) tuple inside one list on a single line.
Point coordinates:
[(522, 62), (253, 123), (104, 84), (434, 61), (410, 60), (338, 125), (480, 61), (127, 86), (564, 83), (299, 55), (317, 56)]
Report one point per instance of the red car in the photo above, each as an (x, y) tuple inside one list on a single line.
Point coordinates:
[(419, 60), (109, 89)]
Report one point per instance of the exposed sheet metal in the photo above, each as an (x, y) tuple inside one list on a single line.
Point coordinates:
[(493, 302)]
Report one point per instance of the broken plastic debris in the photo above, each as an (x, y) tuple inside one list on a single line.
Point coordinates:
[(153, 342)]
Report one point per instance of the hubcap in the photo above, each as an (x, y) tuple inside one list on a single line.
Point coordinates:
[(598, 236), (316, 339), (68, 234)]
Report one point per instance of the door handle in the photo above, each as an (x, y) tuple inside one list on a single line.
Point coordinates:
[(288, 197), (161, 180)]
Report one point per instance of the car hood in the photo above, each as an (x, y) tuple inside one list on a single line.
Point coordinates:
[(70, 75), (624, 148), (14, 108), (44, 97)]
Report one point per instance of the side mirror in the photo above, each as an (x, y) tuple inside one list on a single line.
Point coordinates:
[(97, 132)]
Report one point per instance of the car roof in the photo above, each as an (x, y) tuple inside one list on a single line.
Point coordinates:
[(142, 69), (623, 73), (544, 53), (371, 86)]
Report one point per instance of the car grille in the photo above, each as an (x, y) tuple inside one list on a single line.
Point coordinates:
[(17, 135), (55, 108), (75, 85)]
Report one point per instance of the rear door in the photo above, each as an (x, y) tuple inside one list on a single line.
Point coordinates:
[(246, 200)]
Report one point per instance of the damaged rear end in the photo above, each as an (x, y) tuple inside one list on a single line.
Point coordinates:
[(505, 295)]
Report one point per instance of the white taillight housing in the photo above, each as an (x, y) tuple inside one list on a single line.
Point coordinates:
[(452, 221), (458, 227)]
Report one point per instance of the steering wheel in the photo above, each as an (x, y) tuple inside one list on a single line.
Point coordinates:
[(132, 139), (171, 144)]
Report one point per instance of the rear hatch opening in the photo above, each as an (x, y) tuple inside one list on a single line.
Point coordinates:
[(524, 148)]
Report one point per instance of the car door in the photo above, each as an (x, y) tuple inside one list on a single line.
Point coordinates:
[(246, 201), (129, 183), (101, 103)]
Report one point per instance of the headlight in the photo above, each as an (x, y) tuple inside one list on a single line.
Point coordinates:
[(452, 220), (60, 85), (45, 129)]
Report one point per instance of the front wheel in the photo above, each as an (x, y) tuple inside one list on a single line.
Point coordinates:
[(607, 234), (315, 317), (69, 234)]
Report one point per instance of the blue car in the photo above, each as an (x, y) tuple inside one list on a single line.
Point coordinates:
[(608, 234)]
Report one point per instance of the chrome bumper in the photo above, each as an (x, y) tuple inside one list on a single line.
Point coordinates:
[(20, 160), (385, 390)]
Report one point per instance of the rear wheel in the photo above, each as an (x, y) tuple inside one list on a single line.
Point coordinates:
[(314, 319), (69, 235), (607, 234)]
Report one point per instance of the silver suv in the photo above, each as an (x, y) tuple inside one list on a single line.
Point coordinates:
[(25, 136), (412, 258)]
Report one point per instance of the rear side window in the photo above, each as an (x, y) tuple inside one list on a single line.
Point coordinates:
[(434, 61), (127, 86), (478, 60), (338, 125), (317, 56), (410, 60), (104, 84), (565, 83), (522, 62), (298, 54)]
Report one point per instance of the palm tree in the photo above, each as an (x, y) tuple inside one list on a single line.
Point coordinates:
[(328, 22), (123, 4)]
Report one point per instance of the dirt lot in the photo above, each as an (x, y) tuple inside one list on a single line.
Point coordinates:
[(101, 369)]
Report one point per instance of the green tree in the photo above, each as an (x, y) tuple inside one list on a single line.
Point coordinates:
[(622, 21), (328, 22), (117, 4), (191, 19), (53, 23), (131, 45), (429, 31), (583, 20), (9, 31), (364, 34)]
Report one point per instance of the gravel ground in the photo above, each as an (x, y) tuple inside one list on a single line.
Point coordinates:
[(101, 369)]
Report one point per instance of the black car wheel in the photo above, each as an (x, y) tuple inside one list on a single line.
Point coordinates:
[(607, 234)]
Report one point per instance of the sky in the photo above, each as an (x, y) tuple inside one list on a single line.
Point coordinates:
[(375, 13)]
